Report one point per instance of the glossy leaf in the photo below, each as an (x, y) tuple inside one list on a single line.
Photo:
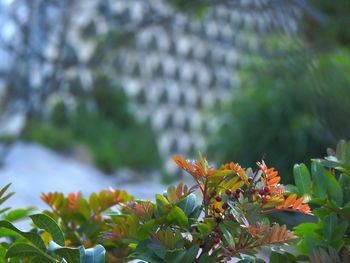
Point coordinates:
[(18, 214), (176, 215), (27, 250), (32, 237), (47, 223), (187, 204), (71, 255), (302, 179), (319, 179)]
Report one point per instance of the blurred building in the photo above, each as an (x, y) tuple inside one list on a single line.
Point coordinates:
[(177, 68)]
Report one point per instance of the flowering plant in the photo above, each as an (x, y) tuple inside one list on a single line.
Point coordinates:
[(230, 220)]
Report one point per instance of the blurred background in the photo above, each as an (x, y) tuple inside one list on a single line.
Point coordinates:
[(100, 93)]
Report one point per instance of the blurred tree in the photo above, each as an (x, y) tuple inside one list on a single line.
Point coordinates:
[(290, 108)]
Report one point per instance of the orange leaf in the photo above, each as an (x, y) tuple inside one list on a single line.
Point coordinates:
[(289, 201), (298, 202)]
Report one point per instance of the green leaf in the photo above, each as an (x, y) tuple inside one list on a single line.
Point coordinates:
[(157, 249), (203, 228), (276, 257), (84, 208), (27, 250), (3, 199), (344, 181), (4, 189), (48, 224), (196, 212), (187, 204), (319, 179), (32, 237), (174, 256), (161, 201), (302, 179), (145, 229), (176, 215), (71, 255), (171, 194), (330, 223), (94, 203), (92, 255), (191, 254), (333, 188), (227, 234), (18, 214)]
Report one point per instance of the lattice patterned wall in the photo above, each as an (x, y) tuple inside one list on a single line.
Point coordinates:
[(179, 68)]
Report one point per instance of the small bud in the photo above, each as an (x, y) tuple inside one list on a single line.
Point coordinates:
[(239, 191), (228, 192), (213, 194), (218, 199), (217, 210), (261, 192), (250, 180), (267, 189), (257, 196), (217, 229), (216, 240), (225, 206)]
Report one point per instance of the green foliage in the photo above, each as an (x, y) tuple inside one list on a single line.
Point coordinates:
[(299, 105), (104, 124), (229, 220), (328, 237), (334, 30), (45, 243)]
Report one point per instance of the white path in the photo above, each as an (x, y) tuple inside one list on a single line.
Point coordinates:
[(33, 169)]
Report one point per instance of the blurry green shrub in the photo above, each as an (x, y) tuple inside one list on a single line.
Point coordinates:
[(326, 185), (335, 30), (296, 106), (105, 125)]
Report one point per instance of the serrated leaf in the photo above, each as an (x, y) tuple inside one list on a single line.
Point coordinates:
[(48, 224)]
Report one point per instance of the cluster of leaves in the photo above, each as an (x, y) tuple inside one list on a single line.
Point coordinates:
[(327, 188), (81, 219), (44, 243), (113, 144), (230, 220)]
